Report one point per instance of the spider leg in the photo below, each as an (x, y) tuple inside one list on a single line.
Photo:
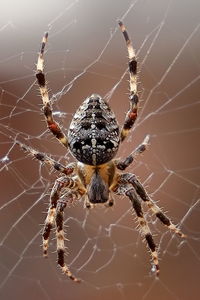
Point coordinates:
[(60, 241), (47, 109), (60, 183), (128, 190), (133, 96), (124, 163), (131, 178), (47, 160)]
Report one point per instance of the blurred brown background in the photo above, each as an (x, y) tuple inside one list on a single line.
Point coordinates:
[(87, 54)]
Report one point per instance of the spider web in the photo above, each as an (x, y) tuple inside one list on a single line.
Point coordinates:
[(87, 54)]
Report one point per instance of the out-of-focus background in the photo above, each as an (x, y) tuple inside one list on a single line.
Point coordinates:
[(86, 54)]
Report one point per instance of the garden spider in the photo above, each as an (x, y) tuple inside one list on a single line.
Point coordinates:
[(93, 139)]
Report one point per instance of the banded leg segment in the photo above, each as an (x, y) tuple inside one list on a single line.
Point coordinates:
[(124, 163), (51, 123), (131, 178), (60, 241), (132, 62), (145, 230), (60, 183), (48, 160)]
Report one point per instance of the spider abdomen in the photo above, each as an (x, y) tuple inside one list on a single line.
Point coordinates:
[(94, 132)]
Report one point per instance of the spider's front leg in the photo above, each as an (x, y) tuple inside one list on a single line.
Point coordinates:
[(133, 96), (51, 123), (129, 191)]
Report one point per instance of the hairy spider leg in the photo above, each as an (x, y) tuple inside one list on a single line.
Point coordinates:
[(122, 164), (131, 115), (55, 215), (59, 185), (48, 160), (131, 178), (47, 109), (129, 191), (60, 241)]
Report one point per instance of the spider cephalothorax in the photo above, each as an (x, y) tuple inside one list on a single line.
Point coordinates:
[(93, 139), (93, 135)]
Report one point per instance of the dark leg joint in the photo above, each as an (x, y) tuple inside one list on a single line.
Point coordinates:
[(41, 79), (133, 66), (136, 203), (54, 198), (47, 110), (150, 242), (124, 31), (128, 124), (46, 231), (60, 260), (58, 134), (122, 165), (163, 218), (134, 98), (40, 156), (59, 221), (57, 166), (141, 148), (139, 189), (44, 43)]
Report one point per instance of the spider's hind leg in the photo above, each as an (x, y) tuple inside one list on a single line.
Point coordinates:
[(60, 183), (129, 191), (131, 178), (60, 239)]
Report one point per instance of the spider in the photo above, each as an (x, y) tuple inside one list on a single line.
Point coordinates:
[(93, 139)]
